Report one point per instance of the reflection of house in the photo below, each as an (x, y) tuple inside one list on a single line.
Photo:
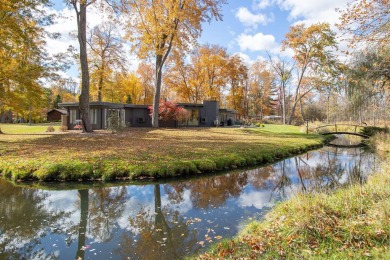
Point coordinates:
[(206, 114), (55, 114)]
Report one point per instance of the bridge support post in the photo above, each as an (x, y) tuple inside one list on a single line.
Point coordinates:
[(307, 126)]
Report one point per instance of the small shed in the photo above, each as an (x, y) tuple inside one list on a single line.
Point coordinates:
[(55, 114)]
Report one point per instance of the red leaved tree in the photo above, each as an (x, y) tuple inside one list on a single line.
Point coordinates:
[(168, 110)]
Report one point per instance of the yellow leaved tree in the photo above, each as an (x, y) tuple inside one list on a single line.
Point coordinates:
[(157, 27), (105, 55), (312, 46), (23, 60)]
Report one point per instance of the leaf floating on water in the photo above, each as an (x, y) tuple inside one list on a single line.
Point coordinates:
[(201, 243), (218, 237)]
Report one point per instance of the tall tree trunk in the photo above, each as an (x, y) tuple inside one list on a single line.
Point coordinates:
[(10, 116), (101, 81), (328, 110), (284, 103), (293, 110), (301, 110), (29, 114), (2, 117), (82, 37), (145, 93), (157, 93)]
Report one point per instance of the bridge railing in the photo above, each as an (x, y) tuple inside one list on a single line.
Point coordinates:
[(338, 127)]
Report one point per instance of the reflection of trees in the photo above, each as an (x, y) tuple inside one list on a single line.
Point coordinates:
[(260, 177), (214, 190), (334, 167), (282, 180), (24, 217), (106, 206), (331, 171), (102, 207), (356, 174), (161, 234)]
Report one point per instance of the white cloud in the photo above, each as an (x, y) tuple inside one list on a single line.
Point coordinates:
[(245, 58), (257, 42), (183, 206), (310, 11), (262, 4), (253, 20), (257, 199)]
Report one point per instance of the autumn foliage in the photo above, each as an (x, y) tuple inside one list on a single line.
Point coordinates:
[(169, 110)]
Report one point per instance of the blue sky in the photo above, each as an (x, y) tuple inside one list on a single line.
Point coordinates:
[(249, 27)]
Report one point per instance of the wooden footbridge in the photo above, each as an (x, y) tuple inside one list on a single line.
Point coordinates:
[(341, 129)]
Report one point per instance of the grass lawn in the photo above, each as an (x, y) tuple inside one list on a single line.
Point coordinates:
[(27, 129), (143, 152), (351, 223)]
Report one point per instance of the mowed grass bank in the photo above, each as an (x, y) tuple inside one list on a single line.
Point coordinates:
[(145, 152), (351, 223)]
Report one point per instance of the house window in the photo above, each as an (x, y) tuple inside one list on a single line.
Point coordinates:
[(193, 120), (93, 116), (104, 117), (72, 116), (120, 113), (123, 118)]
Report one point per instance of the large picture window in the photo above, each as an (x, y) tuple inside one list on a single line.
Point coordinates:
[(193, 120), (72, 116), (93, 116), (107, 113)]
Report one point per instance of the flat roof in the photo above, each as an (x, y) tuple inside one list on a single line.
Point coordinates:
[(228, 110), (94, 103), (190, 104), (137, 106)]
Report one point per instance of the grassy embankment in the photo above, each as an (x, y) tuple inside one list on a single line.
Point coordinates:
[(351, 223), (144, 152)]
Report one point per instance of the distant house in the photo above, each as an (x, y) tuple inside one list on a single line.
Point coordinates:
[(206, 114), (55, 114)]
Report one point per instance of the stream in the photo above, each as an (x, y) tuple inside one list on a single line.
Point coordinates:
[(170, 219)]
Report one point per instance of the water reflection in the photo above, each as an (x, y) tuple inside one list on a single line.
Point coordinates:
[(160, 234), (347, 141), (162, 221), (25, 217)]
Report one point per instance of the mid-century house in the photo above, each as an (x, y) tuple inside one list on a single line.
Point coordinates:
[(206, 114), (55, 114)]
